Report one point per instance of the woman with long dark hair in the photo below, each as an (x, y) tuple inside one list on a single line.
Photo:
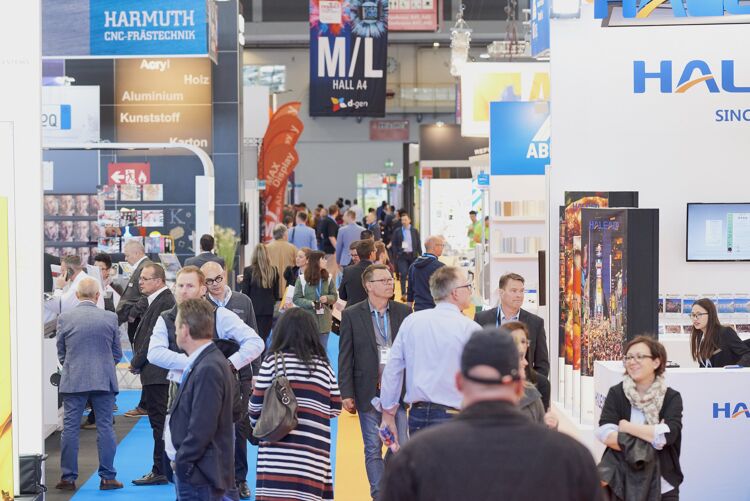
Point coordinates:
[(713, 344), (315, 293), (260, 282), (299, 465), (540, 382)]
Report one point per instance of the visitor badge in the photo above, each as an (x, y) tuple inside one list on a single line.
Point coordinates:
[(404, 245), (320, 310), (384, 352)]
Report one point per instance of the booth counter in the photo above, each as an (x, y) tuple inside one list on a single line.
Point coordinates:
[(716, 427)]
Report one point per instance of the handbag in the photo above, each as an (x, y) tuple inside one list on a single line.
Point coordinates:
[(278, 416)]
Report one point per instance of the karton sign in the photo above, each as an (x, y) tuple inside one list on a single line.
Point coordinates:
[(348, 52), (129, 173)]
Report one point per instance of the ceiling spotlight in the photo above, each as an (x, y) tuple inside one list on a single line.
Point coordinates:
[(484, 56), (436, 45), (440, 123)]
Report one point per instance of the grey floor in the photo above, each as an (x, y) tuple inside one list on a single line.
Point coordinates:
[(87, 457)]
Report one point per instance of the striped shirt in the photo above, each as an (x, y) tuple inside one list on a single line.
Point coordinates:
[(298, 466)]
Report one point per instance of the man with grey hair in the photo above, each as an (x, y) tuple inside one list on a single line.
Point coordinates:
[(348, 234), (426, 354), (133, 304), (88, 347), (282, 254), (418, 290)]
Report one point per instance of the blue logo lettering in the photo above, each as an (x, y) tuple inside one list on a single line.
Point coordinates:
[(642, 9), (695, 72)]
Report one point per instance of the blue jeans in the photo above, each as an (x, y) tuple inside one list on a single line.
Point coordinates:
[(369, 422), (190, 492), (74, 403), (427, 416)]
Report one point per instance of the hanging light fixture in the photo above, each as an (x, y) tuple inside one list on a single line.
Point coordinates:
[(460, 42)]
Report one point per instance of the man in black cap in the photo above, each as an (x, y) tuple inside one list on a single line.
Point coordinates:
[(490, 450)]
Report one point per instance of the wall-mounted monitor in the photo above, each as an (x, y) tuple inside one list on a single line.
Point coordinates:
[(718, 232)]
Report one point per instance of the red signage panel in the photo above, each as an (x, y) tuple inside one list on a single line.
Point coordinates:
[(413, 15), (129, 173), (389, 130)]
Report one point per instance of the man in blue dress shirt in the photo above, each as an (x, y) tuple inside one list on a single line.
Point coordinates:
[(348, 234), (302, 235)]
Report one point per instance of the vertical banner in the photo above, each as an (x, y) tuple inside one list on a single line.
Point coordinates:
[(278, 158), (6, 405), (348, 53)]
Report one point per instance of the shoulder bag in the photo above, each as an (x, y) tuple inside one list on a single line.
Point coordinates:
[(279, 414)]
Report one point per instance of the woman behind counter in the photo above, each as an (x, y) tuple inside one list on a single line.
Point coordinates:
[(316, 293), (644, 407), (713, 344)]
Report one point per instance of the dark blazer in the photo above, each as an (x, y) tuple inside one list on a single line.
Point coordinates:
[(130, 296), (538, 355), (351, 289), (264, 300), (150, 373), (397, 239), (489, 452), (203, 258), (49, 260), (201, 425), (359, 361), (375, 229), (732, 351), (617, 407), (88, 347)]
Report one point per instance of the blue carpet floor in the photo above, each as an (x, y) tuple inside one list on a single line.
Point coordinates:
[(133, 458)]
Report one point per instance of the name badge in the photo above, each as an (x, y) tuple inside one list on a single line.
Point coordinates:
[(320, 311), (384, 354), (404, 245)]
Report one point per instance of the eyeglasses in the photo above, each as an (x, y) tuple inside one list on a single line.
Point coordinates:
[(384, 281), (696, 316), (637, 357), (217, 280), (468, 286)]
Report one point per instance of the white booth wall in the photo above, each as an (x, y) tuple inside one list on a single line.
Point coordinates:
[(21, 170), (668, 147)]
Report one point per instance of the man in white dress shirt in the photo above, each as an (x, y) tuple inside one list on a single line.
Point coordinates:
[(427, 352), (66, 285)]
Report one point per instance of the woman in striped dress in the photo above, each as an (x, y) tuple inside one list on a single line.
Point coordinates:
[(299, 465)]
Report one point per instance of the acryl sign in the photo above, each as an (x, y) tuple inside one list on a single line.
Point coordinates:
[(682, 8)]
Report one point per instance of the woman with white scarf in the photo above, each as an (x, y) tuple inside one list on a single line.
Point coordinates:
[(644, 407)]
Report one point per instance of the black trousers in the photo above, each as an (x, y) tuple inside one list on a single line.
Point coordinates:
[(242, 431), (155, 398), (403, 263)]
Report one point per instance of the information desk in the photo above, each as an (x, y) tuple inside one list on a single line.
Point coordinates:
[(715, 427)]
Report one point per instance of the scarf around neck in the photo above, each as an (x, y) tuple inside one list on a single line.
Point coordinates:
[(650, 403)]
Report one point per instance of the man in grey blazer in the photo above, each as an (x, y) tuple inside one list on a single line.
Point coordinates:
[(368, 330), (88, 347), (511, 299)]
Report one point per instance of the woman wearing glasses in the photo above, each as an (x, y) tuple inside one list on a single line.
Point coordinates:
[(713, 344), (643, 407)]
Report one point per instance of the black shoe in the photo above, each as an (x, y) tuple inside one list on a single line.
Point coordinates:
[(245, 492), (151, 478)]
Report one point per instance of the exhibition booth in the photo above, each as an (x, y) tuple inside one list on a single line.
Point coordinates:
[(648, 110)]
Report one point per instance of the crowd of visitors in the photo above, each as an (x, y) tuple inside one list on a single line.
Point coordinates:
[(453, 397)]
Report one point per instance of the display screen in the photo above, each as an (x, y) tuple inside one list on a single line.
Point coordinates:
[(718, 232)]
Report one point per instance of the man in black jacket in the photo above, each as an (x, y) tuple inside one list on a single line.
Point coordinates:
[(442, 463), (220, 294), (128, 309), (420, 272), (200, 432), (406, 248), (207, 244), (363, 351), (511, 299), (351, 289), (153, 379)]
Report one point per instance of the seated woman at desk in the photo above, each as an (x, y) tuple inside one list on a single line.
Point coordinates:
[(713, 344), (643, 407)]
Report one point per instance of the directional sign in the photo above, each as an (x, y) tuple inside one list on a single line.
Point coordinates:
[(129, 173)]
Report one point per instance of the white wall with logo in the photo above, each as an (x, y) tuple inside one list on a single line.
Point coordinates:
[(667, 146)]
